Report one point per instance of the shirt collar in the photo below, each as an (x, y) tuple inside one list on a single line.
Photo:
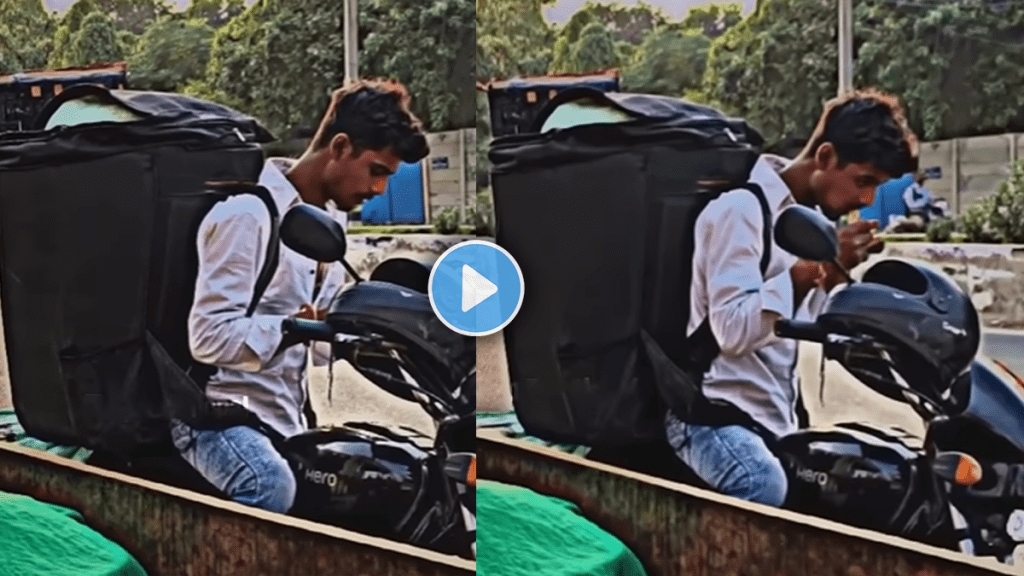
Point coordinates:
[(766, 172), (274, 178)]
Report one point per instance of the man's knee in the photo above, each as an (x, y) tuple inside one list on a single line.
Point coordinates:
[(274, 489), (767, 484)]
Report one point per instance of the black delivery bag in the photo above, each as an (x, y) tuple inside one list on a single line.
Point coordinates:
[(600, 217), (98, 262)]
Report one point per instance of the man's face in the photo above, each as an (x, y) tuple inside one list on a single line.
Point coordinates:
[(349, 180), (840, 190)]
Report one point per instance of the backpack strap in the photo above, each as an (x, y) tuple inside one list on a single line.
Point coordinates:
[(702, 343), (201, 373), (703, 348)]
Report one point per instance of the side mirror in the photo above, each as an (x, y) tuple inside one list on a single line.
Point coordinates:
[(806, 234), (312, 232)]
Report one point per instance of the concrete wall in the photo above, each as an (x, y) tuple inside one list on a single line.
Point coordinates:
[(450, 171), (972, 168)]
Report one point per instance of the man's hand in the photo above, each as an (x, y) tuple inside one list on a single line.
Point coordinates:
[(308, 312), (856, 242)]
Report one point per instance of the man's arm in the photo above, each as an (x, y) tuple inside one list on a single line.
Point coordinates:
[(232, 244), (743, 307)]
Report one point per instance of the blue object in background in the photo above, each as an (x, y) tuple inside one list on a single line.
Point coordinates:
[(401, 202), (888, 201)]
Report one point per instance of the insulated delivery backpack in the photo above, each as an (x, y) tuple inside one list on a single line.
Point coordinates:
[(598, 206), (99, 210)]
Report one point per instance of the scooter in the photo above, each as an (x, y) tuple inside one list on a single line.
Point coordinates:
[(391, 482), (909, 333)]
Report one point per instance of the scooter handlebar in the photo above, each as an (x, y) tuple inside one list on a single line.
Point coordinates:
[(296, 330), (797, 330)]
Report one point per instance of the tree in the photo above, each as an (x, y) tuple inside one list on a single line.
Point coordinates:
[(171, 53), (628, 25), (95, 42), (513, 39), (216, 13), (25, 32), (779, 65), (70, 24), (281, 59), (713, 20), (134, 15), (595, 50), (670, 62), (429, 47)]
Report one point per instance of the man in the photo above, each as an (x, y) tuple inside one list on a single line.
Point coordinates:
[(861, 140), (367, 131)]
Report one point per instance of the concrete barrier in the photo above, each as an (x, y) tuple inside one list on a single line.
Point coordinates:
[(993, 274), (679, 530), (173, 532)]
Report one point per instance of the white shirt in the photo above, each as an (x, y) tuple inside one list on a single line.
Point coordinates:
[(232, 243), (756, 371)]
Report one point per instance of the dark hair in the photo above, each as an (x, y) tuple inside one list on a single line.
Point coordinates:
[(375, 115), (867, 126)]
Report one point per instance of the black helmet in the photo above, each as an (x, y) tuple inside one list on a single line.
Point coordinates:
[(919, 310)]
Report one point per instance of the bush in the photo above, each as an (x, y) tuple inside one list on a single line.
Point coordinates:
[(447, 221), (483, 220), (940, 230), (998, 218)]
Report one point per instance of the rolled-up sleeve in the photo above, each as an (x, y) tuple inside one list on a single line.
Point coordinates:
[(743, 307), (231, 245)]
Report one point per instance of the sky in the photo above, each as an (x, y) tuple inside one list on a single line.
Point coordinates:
[(563, 9)]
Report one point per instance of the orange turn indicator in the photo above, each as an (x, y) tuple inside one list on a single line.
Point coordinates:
[(968, 471), (471, 473)]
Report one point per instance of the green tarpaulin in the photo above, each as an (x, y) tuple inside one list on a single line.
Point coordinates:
[(523, 533), (11, 431), (40, 539)]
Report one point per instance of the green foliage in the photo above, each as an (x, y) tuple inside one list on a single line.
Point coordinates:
[(134, 15), (594, 50), (429, 47), (25, 35), (940, 230), (447, 221), (776, 67), (483, 220), (513, 39), (95, 42), (280, 59), (713, 20), (171, 53), (670, 61), (998, 218), (215, 13)]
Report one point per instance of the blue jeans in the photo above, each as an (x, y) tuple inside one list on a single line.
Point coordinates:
[(731, 459), (241, 462)]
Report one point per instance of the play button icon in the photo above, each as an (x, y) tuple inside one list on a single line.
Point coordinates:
[(476, 288)]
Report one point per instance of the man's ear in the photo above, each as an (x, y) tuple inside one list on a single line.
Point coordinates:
[(339, 144), (824, 156)]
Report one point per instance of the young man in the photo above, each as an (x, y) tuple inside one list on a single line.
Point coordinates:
[(861, 140), (367, 131)]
